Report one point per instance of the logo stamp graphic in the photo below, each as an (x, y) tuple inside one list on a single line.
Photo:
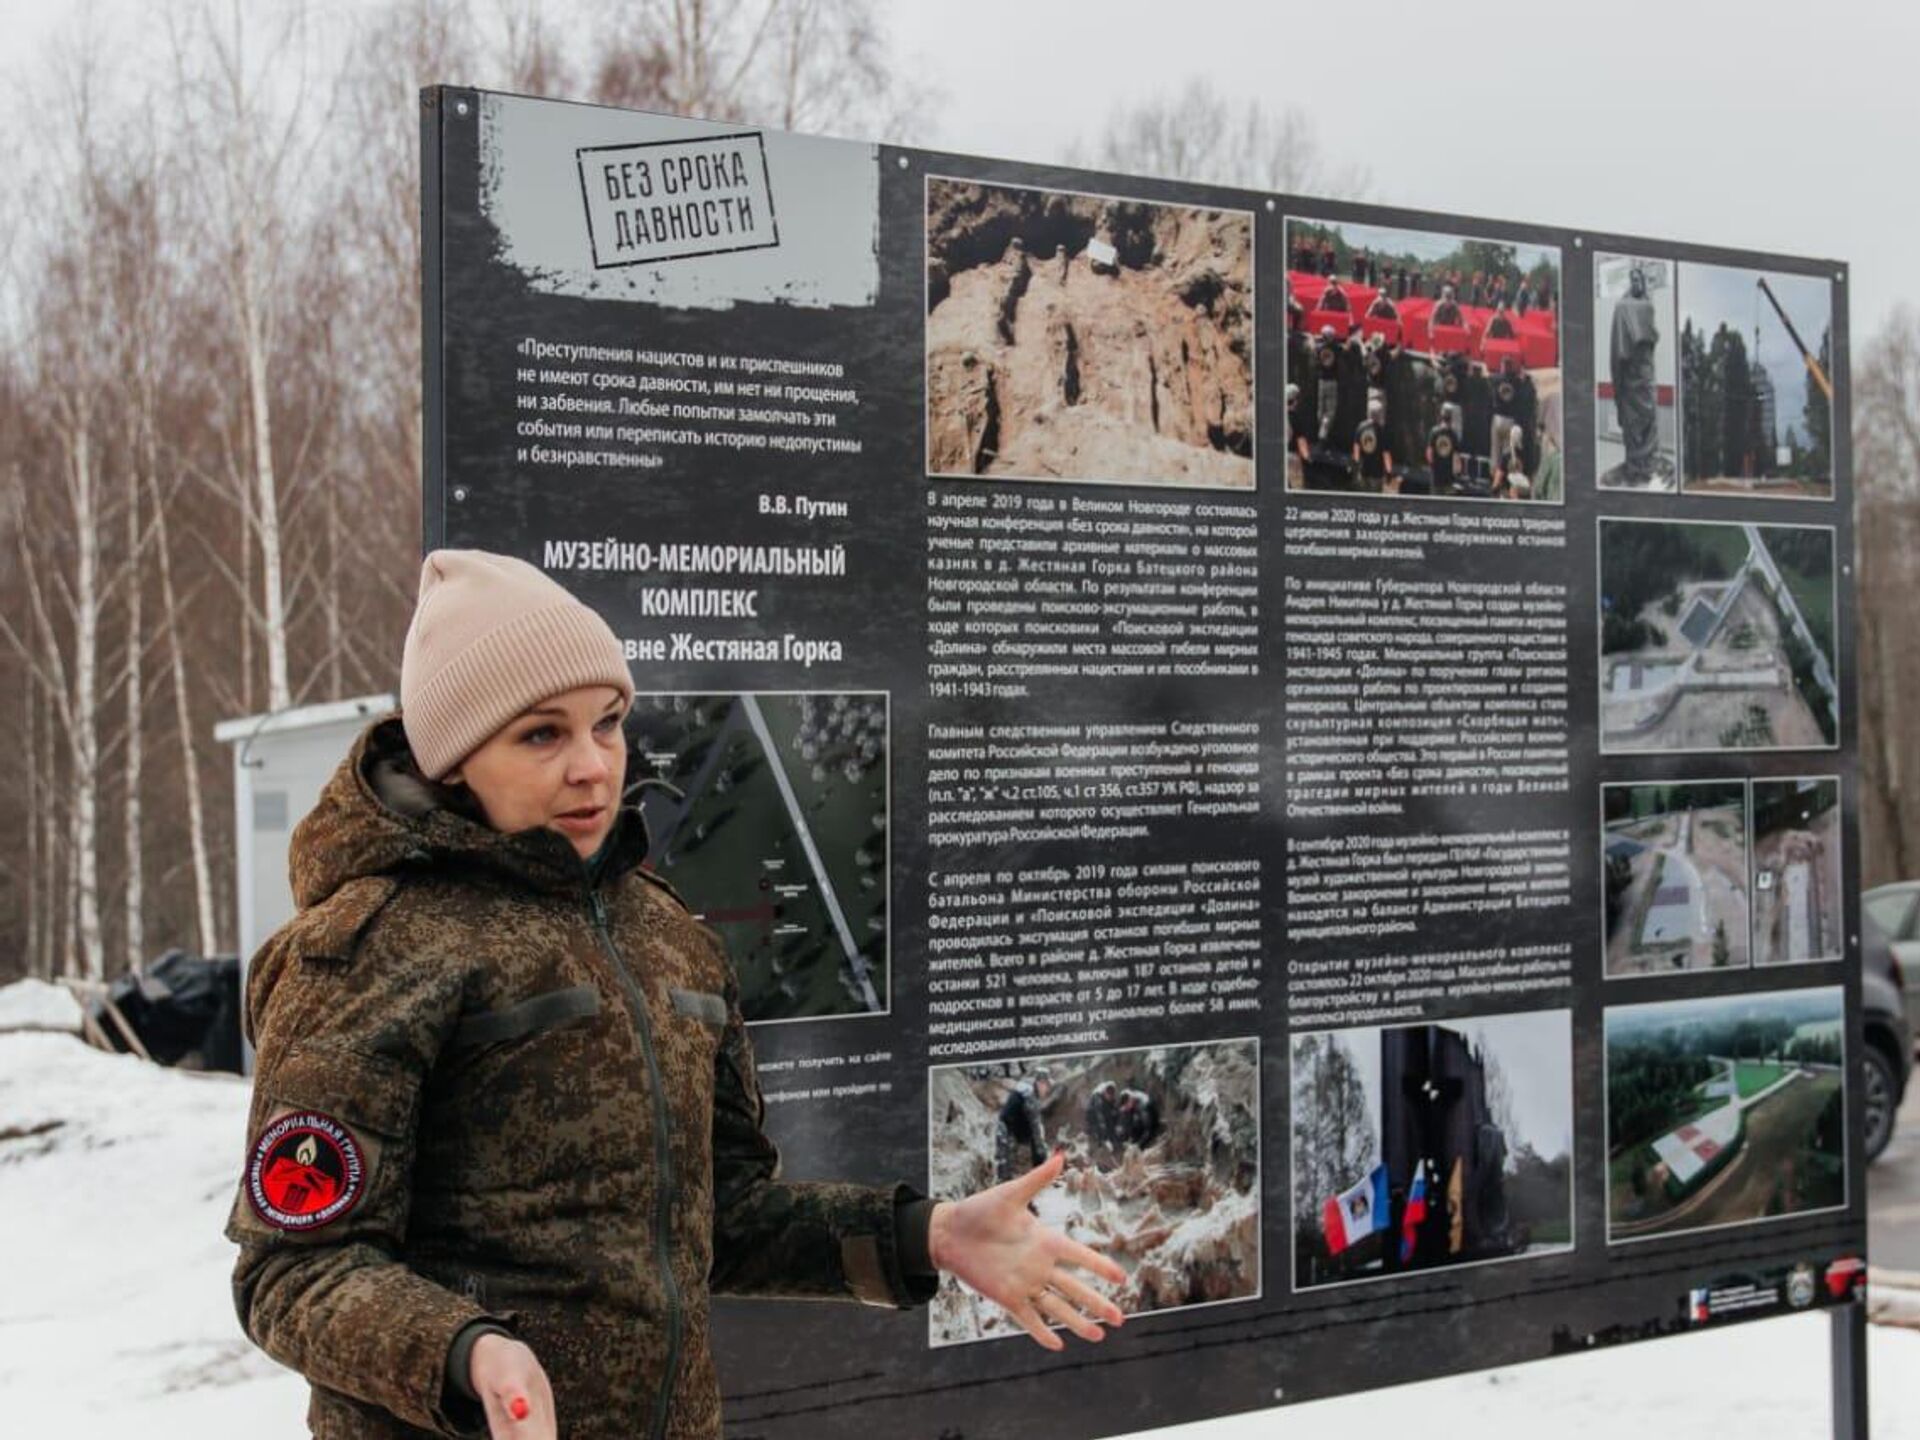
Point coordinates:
[(307, 1170), (677, 199)]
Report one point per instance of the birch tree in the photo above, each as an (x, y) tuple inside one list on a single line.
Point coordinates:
[(255, 145), (1200, 134)]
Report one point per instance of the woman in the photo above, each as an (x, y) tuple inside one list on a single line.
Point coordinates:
[(506, 1136)]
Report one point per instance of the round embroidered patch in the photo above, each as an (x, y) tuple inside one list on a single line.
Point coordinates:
[(306, 1171)]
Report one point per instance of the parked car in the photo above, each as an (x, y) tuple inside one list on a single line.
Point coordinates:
[(1896, 909), (1887, 1061)]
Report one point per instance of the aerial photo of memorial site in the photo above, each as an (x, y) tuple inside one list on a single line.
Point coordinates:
[(1724, 1110), (1417, 1147), (1716, 637), (1676, 876), (1756, 398), (774, 831), (1081, 337), (1796, 870), (1162, 1170)]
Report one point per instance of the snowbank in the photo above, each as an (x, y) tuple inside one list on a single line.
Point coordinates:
[(1766, 1378), (36, 1005), (115, 1316)]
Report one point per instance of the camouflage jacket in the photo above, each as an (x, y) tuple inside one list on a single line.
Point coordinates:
[(488, 1086)]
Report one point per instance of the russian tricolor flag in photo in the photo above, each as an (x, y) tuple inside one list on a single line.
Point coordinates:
[(1415, 1213), (1354, 1214)]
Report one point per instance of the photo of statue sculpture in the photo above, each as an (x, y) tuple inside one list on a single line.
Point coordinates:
[(1634, 391)]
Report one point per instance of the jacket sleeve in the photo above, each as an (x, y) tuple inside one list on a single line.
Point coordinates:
[(343, 1049), (801, 1239)]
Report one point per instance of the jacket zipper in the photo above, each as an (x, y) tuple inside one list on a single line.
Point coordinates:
[(662, 1159)]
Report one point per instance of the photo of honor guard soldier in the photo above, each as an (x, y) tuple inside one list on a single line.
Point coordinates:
[(506, 1138), (1371, 457), (1018, 1130), (1443, 451), (1329, 351), (1299, 432), (1340, 406), (1464, 386), (1516, 408)]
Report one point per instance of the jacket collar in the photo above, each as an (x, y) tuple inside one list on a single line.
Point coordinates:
[(378, 815)]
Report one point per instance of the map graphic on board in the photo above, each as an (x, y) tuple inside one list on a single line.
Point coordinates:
[(774, 831)]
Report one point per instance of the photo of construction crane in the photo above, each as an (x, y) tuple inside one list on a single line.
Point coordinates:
[(1756, 393)]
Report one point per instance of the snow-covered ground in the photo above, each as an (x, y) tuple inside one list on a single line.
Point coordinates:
[(115, 1318), (36, 1005), (1768, 1378)]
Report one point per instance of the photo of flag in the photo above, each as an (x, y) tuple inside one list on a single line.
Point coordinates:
[(1355, 1213), (1415, 1214)]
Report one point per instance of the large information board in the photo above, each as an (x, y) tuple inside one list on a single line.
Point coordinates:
[(1340, 717)]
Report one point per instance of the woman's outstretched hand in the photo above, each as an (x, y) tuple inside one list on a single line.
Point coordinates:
[(993, 1242), (512, 1387)]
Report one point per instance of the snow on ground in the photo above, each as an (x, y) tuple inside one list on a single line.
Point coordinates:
[(1765, 1378), (36, 1005), (115, 1317), (115, 1314)]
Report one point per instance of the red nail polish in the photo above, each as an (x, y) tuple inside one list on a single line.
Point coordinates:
[(518, 1407)]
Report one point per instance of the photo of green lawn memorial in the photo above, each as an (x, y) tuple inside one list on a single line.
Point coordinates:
[(1724, 1110)]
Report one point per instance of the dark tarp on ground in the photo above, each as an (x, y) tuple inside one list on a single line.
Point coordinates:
[(182, 1006)]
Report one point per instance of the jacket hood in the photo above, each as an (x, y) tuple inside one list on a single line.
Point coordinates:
[(378, 815)]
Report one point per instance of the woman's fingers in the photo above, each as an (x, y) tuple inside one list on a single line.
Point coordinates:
[(1072, 1252), (1037, 1179), (1090, 1301), (1031, 1322), (1056, 1308)]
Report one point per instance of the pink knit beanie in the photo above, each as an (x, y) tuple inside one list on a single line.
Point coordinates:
[(492, 635)]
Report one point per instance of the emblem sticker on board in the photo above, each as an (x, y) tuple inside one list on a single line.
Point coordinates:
[(306, 1171), (1800, 1287)]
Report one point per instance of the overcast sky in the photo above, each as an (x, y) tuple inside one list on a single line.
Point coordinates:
[(1769, 125), (1766, 125)]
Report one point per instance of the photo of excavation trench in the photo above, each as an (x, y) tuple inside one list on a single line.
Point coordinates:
[(1082, 338), (1162, 1172)]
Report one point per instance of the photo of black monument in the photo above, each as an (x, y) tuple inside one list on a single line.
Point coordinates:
[(1417, 1147)]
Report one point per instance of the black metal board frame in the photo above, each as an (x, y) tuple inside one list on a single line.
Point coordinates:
[(877, 1374)]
